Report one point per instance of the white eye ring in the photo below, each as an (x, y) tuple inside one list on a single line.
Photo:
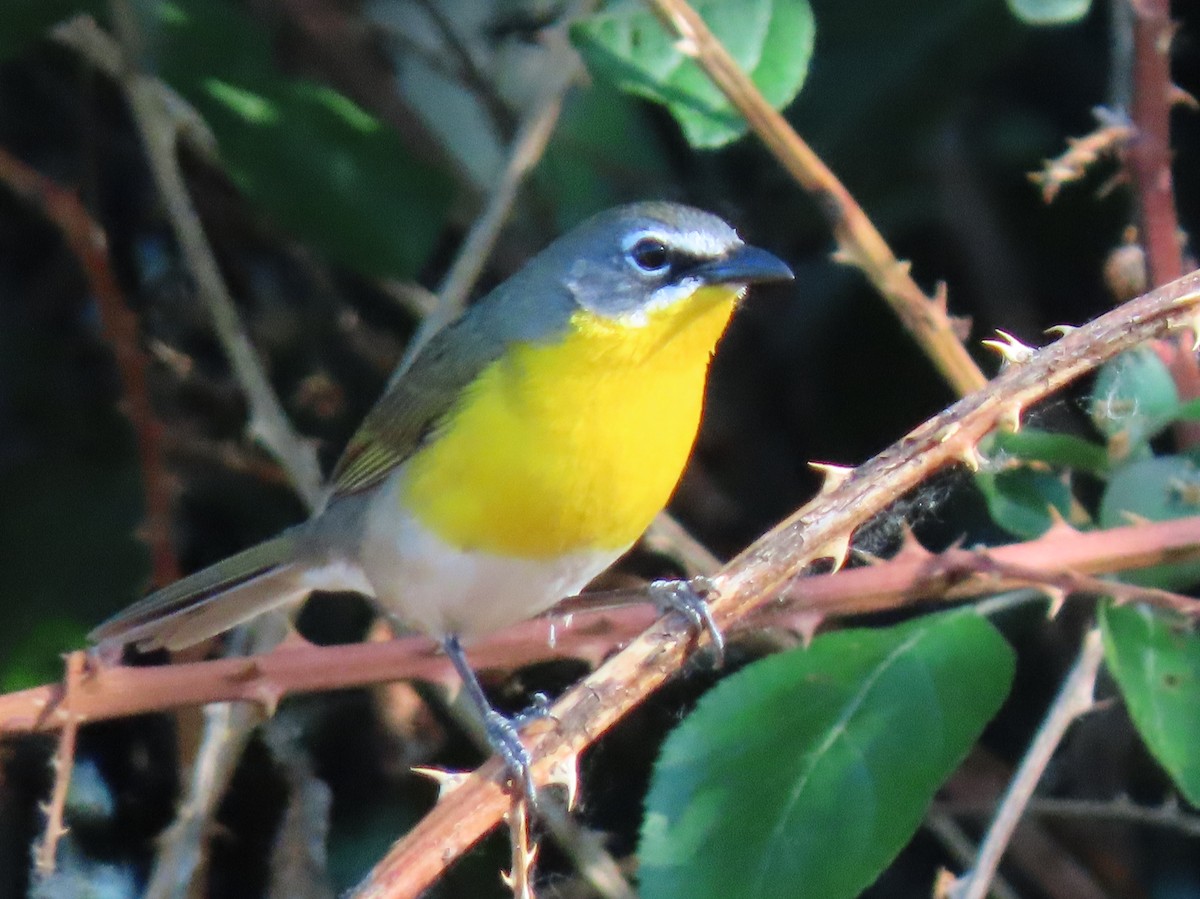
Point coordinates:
[(649, 254)]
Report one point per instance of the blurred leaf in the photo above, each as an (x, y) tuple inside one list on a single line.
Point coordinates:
[(1189, 411), (584, 169), (1049, 12), (23, 21), (1155, 660), (771, 40), (1019, 499), (1060, 450), (320, 164), (1159, 489), (36, 658), (1134, 397), (806, 772)]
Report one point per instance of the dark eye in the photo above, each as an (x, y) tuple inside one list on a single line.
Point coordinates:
[(650, 255)]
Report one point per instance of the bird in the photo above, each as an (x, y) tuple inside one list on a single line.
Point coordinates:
[(522, 451)]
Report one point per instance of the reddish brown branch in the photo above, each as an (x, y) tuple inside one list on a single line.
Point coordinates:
[(1150, 151), (591, 627), (87, 240), (1149, 166)]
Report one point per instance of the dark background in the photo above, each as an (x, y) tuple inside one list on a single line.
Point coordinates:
[(932, 114)]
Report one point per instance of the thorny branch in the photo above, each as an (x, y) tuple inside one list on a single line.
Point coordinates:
[(858, 241), (590, 626), (762, 572), (63, 761)]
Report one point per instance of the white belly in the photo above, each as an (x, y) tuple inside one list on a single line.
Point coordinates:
[(436, 588)]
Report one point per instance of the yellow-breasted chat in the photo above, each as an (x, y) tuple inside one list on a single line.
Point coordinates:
[(524, 450)]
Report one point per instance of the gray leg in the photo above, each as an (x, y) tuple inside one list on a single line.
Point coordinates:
[(502, 732)]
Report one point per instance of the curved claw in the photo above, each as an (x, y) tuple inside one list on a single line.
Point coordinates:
[(687, 598)]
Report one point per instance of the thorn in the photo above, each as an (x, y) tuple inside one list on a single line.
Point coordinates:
[(1134, 518), (867, 558), (1009, 419), (834, 475), (1057, 597), (842, 256), (806, 625), (941, 298), (1058, 524), (1061, 330), (1012, 350), (267, 697), (904, 267), (944, 885), (447, 781), (960, 326), (836, 550), (687, 46), (565, 773), (972, 458), (910, 546)]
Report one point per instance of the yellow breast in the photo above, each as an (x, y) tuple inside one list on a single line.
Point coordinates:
[(572, 445)]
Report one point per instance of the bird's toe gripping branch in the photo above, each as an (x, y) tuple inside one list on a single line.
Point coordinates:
[(503, 733), (690, 599)]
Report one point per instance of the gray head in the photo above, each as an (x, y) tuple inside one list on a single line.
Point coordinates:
[(633, 259), (620, 264)]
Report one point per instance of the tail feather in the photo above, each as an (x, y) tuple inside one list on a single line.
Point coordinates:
[(212, 600)]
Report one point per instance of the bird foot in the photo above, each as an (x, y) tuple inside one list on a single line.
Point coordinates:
[(688, 598), (503, 735)]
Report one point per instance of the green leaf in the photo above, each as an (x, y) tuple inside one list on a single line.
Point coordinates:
[(1049, 12), (37, 656), (805, 773), (1155, 660), (1189, 411), (23, 21), (321, 165), (1134, 398), (1159, 489), (1019, 499), (771, 40), (1059, 450)]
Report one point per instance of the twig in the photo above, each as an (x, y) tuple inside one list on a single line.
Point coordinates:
[(524, 851), (1122, 810), (961, 847), (471, 73), (760, 573), (226, 731), (1074, 699), (858, 241), (89, 243), (181, 844), (1111, 135), (62, 764), (159, 127), (527, 148)]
